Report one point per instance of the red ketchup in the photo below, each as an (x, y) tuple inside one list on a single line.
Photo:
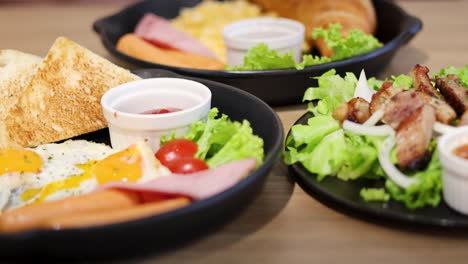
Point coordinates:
[(158, 111)]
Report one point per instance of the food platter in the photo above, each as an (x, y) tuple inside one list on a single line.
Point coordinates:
[(276, 87), (344, 196), (153, 234)]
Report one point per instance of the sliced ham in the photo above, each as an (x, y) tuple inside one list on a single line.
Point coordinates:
[(196, 186), (160, 32)]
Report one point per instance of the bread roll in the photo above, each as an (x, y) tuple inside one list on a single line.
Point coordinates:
[(351, 14)]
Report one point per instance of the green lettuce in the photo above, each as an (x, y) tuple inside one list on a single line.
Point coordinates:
[(261, 57), (427, 191), (374, 195), (332, 91), (402, 81), (462, 73), (221, 140), (355, 43)]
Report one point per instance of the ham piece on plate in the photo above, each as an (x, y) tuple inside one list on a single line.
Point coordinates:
[(160, 32), (197, 185)]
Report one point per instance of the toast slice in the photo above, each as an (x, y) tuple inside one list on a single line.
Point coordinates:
[(16, 71), (63, 98)]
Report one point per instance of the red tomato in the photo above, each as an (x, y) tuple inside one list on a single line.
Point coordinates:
[(176, 149), (186, 165)]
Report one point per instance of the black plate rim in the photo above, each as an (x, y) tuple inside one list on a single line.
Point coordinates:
[(349, 207), (412, 25), (260, 172)]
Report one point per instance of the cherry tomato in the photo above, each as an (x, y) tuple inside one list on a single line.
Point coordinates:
[(176, 149), (186, 165)]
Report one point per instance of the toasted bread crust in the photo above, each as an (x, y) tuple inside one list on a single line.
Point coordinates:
[(63, 98), (16, 71)]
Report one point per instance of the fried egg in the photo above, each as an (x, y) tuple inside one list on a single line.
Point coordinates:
[(57, 171)]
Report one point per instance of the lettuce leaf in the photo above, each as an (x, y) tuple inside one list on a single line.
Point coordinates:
[(332, 91), (374, 195), (355, 43), (261, 57)]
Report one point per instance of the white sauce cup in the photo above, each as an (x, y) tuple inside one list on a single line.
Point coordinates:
[(454, 169), (280, 34), (122, 107)]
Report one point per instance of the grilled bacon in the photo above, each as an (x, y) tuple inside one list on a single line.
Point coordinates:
[(422, 82), (413, 137), (401, 106), (453, 92), (444, 112), (356, 110), (382, 96)]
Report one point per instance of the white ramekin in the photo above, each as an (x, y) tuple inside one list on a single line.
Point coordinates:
[(280, 34), (454, 169), (123, 104)]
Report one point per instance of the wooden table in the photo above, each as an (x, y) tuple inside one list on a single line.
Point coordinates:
[(284, 225)]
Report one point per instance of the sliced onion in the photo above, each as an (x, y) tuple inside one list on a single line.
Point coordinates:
[(443, 128), (374, 118), (355, 128), (392, 172), (362, 88)]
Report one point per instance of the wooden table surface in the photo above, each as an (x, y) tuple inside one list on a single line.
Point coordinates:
[(284, 224)]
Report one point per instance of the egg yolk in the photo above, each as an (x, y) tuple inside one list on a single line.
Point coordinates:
[(123, 166), (19, 160), (66, 184)]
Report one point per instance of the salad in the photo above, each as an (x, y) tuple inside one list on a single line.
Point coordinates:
[(382, 130), (355, 43)]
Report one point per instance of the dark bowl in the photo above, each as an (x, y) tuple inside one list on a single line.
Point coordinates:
[(156, 233), (276, 87)]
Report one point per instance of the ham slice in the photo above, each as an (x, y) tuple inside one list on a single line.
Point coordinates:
[(196, 186), (160, 32)]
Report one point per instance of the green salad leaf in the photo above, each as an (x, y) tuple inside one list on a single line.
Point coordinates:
[(355, 43), (221, 140), (260, 57), (332, 91), (402, 81), (374, 195), (462, 73)]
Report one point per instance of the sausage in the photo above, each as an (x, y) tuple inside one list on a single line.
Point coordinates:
[(84, 219), (135, 46), (33, 215)]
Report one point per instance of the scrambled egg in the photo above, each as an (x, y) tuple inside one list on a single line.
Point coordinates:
[(206, 21)]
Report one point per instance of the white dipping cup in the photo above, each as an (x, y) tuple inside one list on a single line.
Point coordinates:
[(454, 169), (122, 107)]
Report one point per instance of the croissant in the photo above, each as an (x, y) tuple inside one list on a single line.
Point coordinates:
[(351, 14)]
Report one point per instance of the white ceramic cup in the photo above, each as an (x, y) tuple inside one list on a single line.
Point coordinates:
[(454, 169), (122, 107), (280, 34)]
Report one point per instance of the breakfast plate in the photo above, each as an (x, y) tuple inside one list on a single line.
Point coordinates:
[(276, 87), (344, 196), (155, 233)]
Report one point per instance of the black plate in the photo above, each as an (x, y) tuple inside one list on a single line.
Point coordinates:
[(344, 196), (152, 234), (276, 87)]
